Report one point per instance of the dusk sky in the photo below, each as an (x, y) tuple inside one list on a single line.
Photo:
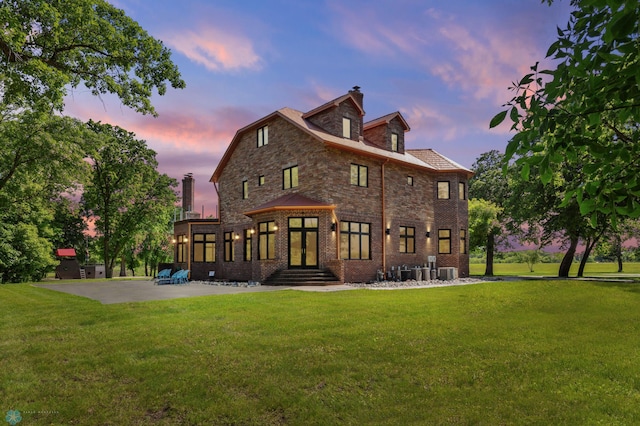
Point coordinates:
[(445, 65)]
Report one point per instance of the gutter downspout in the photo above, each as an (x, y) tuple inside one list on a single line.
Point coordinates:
[(337, 233), (218, 205), (189, 245), (384, 222)]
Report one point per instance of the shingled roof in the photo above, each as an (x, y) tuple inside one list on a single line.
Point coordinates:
[(437, 160), (420, 158)]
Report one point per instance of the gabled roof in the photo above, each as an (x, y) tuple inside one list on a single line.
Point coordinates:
[(423, 159), (386, 119), (437, 160), (335, 103), (291, 201), (66, 252)]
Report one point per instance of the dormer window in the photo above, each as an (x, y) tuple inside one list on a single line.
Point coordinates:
[(394, 142), (346, 127)]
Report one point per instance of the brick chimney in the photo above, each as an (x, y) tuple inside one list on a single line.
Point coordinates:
[(358, 95), (188, 192)]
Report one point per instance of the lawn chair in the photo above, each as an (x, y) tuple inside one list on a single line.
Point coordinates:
[(164, 274), (169, 280), (180, 277)]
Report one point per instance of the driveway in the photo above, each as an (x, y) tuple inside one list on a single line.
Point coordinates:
[(108, 292)]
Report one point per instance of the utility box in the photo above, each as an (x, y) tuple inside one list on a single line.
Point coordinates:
[(95, 271), (416, 273), (448, 273)]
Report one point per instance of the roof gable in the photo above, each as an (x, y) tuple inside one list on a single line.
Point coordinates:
[(334, 103), (386, 119)]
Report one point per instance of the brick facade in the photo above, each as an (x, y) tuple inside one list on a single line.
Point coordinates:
[(398, 195)]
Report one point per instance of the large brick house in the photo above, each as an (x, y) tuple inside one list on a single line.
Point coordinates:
[(324, 190)]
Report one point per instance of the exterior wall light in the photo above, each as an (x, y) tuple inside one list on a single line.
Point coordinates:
[(333, 227), (428, 235), (388, 231)]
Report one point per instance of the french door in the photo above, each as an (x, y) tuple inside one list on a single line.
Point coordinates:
[(303, 242)]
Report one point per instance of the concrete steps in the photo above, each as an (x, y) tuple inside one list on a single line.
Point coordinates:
[(293, 277)]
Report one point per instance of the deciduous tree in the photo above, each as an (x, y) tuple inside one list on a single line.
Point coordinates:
[(126, 194), (49, 46), (585, 112), (484, 226)]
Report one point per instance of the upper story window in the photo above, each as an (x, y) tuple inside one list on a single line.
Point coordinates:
[(245, 189), (346, 127), (462, 191), (394, 142), (359, 175), (260, 180), (444, 191), (410, 180), (407, 239), (263, 136), (290, 177)]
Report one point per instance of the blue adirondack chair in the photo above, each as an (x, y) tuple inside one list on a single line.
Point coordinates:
[(180, 277), (169, 280), (164, 274)]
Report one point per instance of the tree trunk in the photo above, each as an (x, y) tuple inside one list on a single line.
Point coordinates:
[(123, 267), (587, 252), (567, 260), (619, 252), (491, 242)]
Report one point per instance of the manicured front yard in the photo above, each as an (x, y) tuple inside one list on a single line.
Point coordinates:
[(541, 352)]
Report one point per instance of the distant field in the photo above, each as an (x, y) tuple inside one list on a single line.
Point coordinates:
[(525, 352), (551, 269)]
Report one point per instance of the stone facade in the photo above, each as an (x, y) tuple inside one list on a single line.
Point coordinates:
[(366, 208)]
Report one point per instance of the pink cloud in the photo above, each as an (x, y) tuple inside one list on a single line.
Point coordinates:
[(177, 128), (217, 49)]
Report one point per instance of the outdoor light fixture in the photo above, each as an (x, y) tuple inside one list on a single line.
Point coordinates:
[(275, 227), (388, 231), (173, 240), (252, 231), (333, 227), (185, 239), (428, 235)]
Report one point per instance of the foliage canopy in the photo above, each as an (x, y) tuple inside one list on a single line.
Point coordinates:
[(49, 45), (586, 112)]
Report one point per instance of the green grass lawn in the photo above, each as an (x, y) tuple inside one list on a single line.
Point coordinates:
[(551, 269), (528, 352)]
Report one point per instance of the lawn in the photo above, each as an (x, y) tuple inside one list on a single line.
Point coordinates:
[(528, 352), (551, 269)]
